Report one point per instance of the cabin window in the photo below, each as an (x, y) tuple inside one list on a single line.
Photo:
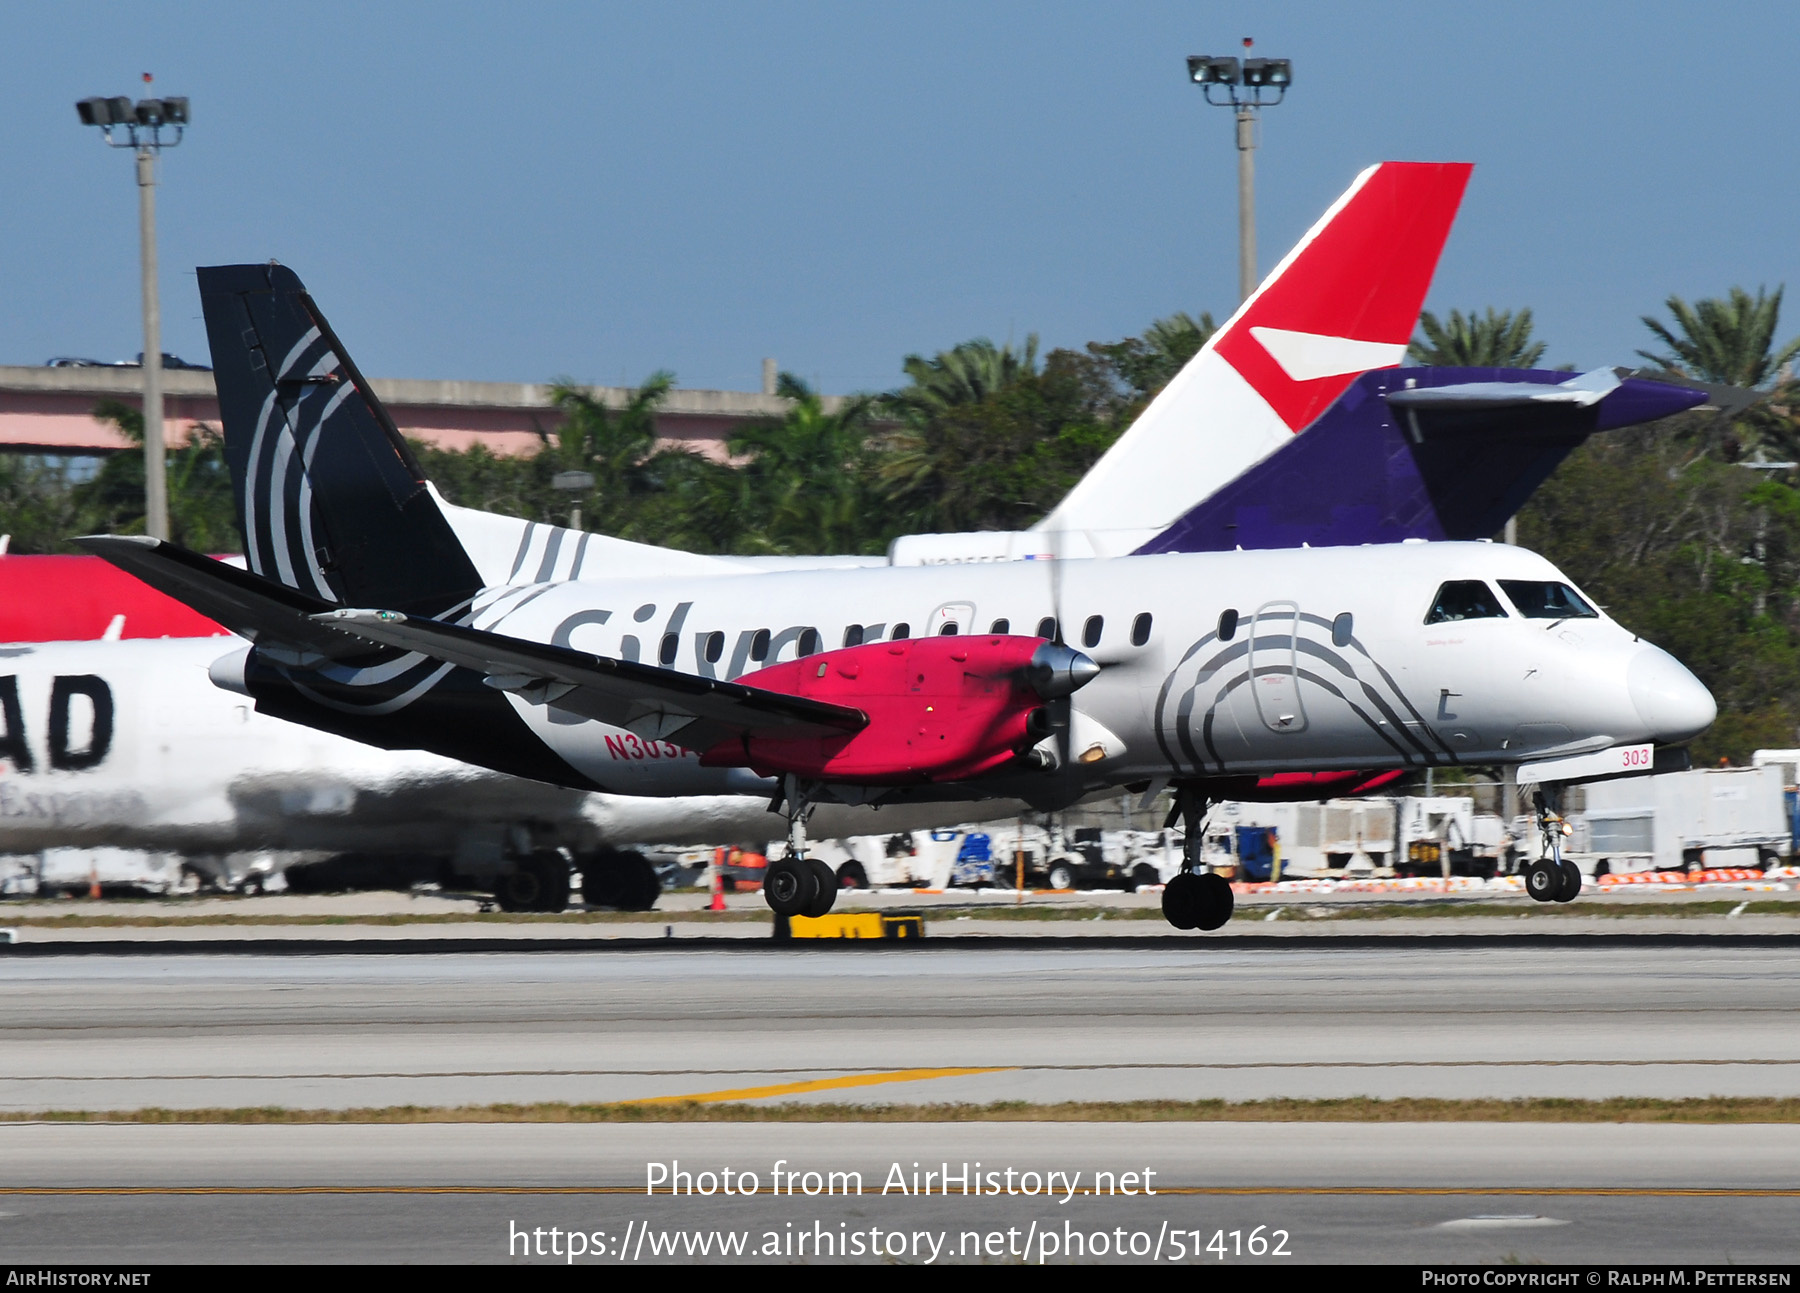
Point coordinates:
[(1092, 630), (1047, 628), (1465, 599), (715, 646), (759, 645), (853, 635), (902, 630), (809, 642), (1228, 621), (1342, 628), (665, 654), (1140, 629), (949, 630), (1538, 599), (1001, 626)]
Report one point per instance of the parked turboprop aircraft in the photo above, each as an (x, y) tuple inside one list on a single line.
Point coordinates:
[(376, 618)]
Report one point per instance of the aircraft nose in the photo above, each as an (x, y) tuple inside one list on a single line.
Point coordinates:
[(1673, 703)]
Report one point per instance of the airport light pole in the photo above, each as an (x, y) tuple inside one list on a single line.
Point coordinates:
[(143, 125), (1247, 86)]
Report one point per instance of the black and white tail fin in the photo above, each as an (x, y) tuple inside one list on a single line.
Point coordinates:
[(330, 499)]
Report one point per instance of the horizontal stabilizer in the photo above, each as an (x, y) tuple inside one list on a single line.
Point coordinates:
[(269, 614), (657, 704), (1589, 388)]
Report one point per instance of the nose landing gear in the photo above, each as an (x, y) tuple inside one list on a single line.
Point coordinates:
[(1194, 899), (1552, 878)]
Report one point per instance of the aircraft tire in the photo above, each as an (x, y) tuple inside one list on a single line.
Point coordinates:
[(622, 879), (539, 882), (1570, 887), (789, 886), (1543, 880), (1215, 901), (1180, 901), (827, 891)]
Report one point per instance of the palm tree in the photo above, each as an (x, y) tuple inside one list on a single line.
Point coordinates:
[(616, 445), (1731, 342), (1497, 339), (808, 472), (964, 374), (1727, 341)]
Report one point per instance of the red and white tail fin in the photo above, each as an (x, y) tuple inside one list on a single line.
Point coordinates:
[(1344, 301)]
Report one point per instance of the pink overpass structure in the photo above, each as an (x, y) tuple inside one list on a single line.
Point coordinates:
[(51, 410)]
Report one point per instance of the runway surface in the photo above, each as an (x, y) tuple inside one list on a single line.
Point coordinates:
[(897, 1025), (881, 1025), (1319, 1192)]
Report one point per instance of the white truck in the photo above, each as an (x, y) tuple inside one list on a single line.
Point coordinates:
[(1709, 817), (1442, 834)]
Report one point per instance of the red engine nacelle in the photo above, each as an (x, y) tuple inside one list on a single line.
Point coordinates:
[(939, 709)]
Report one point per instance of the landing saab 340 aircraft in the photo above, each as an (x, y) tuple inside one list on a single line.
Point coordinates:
[(374, 617)]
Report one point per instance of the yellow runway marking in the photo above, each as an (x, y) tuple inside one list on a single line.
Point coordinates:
[(1177, 1191), (817, 1084)]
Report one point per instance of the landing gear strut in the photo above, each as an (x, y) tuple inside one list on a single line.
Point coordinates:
[(1552, 878), (1194, 899), (797, 885)]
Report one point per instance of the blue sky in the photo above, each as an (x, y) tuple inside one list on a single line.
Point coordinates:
[(521, 192)]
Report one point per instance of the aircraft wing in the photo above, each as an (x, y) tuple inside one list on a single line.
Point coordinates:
[(655, 703), (260, 609)]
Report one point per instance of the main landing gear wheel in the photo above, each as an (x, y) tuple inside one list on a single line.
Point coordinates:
[(621, 879), (1216, 902), (827, 888), (1543, 880), (539, 882), (1180, 901), (1197, 901), (1571, 882), (790, 886)]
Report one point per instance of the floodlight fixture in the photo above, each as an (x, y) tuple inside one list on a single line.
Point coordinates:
[(1204, 69), (1268, 73)]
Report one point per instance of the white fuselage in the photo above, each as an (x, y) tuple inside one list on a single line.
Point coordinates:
[(1296, 687)]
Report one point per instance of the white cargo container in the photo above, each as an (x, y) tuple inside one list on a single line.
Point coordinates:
[(1712, 817)]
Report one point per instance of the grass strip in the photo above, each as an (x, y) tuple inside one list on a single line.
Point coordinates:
[(1712, 1109)]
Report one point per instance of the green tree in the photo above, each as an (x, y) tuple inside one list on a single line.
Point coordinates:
[(1496, 339), (1730, 341), (202, 507), (1147, 363), (965, 374), (807, 478), (1002, 461)]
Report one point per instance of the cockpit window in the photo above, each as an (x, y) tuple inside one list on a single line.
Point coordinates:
[(1537, 599), (1465, 599)]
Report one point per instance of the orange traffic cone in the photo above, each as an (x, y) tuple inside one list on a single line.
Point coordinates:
[(93, 882), (718, 881)]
